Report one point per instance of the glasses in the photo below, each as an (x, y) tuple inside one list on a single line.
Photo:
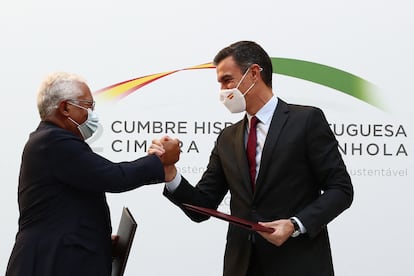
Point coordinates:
[(89, 102)]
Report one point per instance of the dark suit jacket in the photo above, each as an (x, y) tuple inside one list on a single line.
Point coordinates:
[(64, 223), (301, 174)]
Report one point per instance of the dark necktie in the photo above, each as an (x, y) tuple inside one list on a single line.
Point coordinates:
[(251, 149)]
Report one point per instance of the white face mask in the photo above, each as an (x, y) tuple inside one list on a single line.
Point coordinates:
[(233, 99), (87, 128)]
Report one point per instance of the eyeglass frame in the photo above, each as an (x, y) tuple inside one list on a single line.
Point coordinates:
[(78, 101)]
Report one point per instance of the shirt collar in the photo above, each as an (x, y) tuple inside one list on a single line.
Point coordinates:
[(266, 112)]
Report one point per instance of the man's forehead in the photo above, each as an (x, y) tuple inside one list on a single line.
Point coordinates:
[(227, 63), (86, 92), (227, 68)]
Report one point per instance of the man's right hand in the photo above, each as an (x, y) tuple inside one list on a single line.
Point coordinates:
[(172, 151), (167, 149)]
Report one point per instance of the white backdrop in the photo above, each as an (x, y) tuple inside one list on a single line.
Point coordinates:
[(110, 41)]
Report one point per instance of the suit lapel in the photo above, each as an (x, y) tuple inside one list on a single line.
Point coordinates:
[(241, 157), (278, 121)]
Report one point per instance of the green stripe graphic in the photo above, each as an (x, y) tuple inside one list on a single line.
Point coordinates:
[(330, 77)]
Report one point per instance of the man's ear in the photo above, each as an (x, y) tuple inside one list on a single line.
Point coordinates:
[(63, 108), (256, 69)]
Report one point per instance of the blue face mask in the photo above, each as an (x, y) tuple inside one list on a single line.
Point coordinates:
[(87, 128)]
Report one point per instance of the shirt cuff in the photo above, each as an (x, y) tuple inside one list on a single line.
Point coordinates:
[(173, 184), (301, 226)]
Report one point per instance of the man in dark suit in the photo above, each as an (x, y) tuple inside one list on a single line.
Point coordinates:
[(64, 223), (298, 181)]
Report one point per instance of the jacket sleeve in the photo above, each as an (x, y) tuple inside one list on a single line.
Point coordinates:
[(330, 173), (73, 162), (208, 193)]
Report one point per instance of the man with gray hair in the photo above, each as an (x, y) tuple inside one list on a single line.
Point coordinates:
[(64, 223)]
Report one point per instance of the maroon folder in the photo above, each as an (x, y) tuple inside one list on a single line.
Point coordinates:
[(231, 219)]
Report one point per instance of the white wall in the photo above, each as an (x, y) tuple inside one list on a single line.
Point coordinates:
[(108, 42)]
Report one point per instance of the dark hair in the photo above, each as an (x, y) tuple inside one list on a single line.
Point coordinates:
[(245, 54)]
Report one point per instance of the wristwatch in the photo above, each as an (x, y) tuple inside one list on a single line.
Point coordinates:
[(297, 228)]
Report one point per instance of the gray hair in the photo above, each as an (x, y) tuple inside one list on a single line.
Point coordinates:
[(55, 88)]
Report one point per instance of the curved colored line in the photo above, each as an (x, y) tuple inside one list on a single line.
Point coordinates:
[(314, 72), (122, 89), (328, 76)]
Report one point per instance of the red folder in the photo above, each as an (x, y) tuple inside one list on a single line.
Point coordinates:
[(231, 219)]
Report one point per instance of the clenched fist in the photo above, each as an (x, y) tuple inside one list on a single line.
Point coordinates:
[(172, 151)]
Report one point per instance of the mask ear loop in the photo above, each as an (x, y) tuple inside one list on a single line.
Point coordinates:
[(248, 90), (244, 75), (251, 86), (73, 121), (81, 107)]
